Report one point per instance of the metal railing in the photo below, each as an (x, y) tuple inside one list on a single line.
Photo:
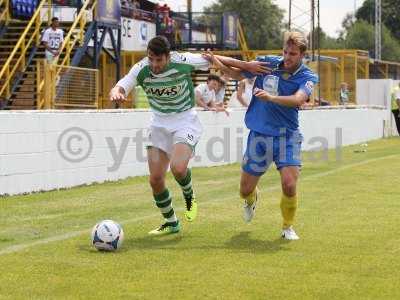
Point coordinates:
[(17, 59), (76, 32), (67, 87), (248, 55), (5, 14), (75, 36)]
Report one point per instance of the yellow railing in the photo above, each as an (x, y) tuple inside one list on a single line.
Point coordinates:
[(75, 35), (71, 40), (67, 87), (248, 55), (16, 61), (5, 14)]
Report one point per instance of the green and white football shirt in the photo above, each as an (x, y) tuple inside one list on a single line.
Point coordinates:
[(171, 91)]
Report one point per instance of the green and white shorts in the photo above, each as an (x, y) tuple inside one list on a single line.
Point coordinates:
[(167, 130)]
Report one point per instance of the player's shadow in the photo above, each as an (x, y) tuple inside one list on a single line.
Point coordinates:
[(154, 242), (243, 242)]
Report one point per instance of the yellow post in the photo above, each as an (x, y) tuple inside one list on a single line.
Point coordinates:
[(82, 22), (342, 68), (7, 9), (23, 54), (49, 13), (97, 90), (47, 85), (8, 93), (329, 82), (353, 95), (53, 84), (38, 93), (104, 80)]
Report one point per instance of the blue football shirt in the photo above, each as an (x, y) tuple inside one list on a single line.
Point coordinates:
[(271, 118)]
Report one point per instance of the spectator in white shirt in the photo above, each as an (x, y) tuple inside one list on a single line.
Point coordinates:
[(205, 92), (242, 97), (220, 92), (52, 39)]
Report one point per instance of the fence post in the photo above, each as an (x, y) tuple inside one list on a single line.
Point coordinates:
[(38, 92), (49, 13), (47, 85), (54, 79), (97, 90)]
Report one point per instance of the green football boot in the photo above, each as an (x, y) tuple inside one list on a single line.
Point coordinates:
[(167, 228), (191, 209)]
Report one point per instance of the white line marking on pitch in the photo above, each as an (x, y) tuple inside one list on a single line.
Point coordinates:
[(69, 235)]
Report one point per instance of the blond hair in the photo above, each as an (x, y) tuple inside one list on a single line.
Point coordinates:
[(295, 38)]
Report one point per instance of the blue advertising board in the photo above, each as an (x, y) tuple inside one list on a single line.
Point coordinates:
[(109, 12), (230, 30)]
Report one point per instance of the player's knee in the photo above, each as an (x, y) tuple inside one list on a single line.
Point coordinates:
[(246, 189), (289, 186), (179, 170), (156, 181)]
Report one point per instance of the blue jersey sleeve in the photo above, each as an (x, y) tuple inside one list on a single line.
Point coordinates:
[(307, 85)]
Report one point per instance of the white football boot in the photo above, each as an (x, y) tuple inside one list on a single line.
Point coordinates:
[(290, 234), (249, 210)]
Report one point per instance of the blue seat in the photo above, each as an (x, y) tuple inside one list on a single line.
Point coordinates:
[(25, 6), (16, 8)]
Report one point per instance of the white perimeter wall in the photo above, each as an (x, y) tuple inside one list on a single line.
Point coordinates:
[(31, 160), (377, 92)]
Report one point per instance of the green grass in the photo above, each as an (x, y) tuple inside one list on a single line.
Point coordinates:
[(348, 221)]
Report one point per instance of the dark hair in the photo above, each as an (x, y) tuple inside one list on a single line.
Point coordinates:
[(54, 19), (213, 77), (159, 45)]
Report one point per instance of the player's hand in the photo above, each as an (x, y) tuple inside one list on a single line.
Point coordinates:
[(261, 94), (212, 59), (225, 110), (207, 56), (257, 67), (117, 95), (218, 109)]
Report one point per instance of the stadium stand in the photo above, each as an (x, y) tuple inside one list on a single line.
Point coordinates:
[(21, 52)]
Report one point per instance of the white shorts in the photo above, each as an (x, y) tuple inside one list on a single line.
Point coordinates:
[(50, 57), (166, 131)]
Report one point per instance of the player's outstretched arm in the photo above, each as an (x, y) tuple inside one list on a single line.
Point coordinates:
[(117, 93), (254, 67), (230, 71)]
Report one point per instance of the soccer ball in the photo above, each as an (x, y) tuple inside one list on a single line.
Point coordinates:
[(107, 236)]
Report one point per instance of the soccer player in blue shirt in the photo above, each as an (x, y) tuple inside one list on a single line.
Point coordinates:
[(272, 118)]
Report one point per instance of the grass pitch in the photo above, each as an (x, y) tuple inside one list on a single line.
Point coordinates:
[(348, 221)]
